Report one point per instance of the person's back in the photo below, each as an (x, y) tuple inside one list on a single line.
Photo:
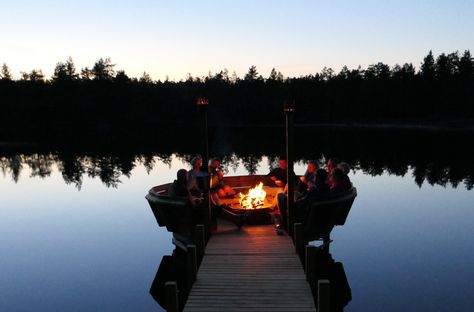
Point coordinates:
[(179, 186), (339, 184), (193, 211), (346, 169), (321, 189)]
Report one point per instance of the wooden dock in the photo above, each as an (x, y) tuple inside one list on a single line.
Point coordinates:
[(251, 269)]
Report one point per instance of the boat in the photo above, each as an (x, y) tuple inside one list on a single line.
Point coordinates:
[(167, 209), (178, 217), (325, 214), (174, 212)]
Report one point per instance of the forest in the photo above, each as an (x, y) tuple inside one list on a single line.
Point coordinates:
[(103, 103)]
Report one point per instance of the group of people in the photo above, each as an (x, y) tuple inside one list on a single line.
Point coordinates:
[(189, 184), (315, 184), (180, 187)]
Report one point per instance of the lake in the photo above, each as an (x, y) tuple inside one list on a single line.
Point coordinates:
[(77, 234)]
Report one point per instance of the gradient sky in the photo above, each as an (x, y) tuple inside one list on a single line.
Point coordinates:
[(178, 37)]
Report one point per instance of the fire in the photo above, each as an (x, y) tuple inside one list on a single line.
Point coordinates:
[(254, 199)]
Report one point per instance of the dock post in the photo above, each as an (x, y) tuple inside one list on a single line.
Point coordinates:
[(289, 108), (326, 241), (324, 296), (207, 214), (310, 265), (191, 264), (299, 241), (200, 241), (172, 304)]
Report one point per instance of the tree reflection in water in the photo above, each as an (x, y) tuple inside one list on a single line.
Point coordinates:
[(110, 169), (437, 158)]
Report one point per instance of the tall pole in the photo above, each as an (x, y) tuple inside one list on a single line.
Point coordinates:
[(202, 104), (289, 108)]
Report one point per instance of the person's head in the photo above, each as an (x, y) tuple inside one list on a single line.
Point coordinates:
[(182, 176), (312, 166), (282, 163), (337, 175), (214, 163), (196, 162), (321, 176), (344, 167)]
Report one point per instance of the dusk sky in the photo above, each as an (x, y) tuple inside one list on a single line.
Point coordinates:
[(175, 38)]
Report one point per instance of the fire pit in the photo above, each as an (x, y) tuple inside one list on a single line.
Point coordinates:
[(257, 203)]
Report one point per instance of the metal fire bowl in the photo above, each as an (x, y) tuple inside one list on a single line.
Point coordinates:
[(253, 216)]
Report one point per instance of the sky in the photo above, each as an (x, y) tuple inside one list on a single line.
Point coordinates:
[(174, 38)]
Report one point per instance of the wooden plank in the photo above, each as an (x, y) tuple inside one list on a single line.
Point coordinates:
[(251, 269)]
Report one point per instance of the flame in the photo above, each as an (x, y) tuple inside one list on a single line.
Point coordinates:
[(202, 101), (254, 199)]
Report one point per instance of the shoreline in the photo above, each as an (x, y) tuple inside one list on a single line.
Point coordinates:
[(462, 128)]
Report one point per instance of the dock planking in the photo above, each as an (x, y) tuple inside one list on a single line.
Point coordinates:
[(251, 269)]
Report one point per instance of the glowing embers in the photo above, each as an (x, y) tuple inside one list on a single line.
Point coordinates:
[(254, 199)]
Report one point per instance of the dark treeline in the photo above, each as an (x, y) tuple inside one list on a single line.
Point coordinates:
[(102, 103)]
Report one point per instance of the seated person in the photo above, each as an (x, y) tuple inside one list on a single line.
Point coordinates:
[(307, 180), (332, 163), (195, 172), (338, 183), (218, 188), (179, 187), (346, 169), (319, 191), (278, 175)]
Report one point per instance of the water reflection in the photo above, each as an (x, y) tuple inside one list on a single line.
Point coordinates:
[(326, 268), (172, 268), (110, 169), (437, 158)]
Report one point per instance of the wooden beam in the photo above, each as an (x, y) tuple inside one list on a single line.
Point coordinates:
[(200, 241), (171, 289), (299, 241), (191, 264), (324, 296), (310, 265)]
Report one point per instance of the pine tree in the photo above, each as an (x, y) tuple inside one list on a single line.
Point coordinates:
[(252, 74), (5, 73), (427, 69)]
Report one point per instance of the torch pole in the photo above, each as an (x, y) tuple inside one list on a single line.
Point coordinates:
[(289, 108), (202, 104)]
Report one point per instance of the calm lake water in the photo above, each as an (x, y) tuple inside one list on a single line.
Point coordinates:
[(97, 247)]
